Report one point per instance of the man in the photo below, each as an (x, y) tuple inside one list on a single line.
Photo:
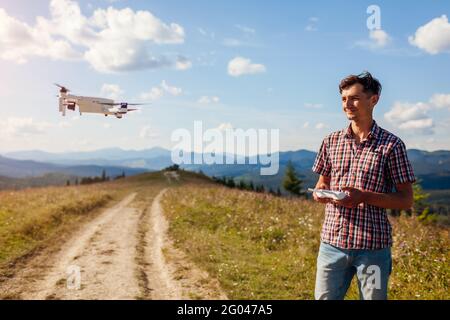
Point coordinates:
[(367, 162)]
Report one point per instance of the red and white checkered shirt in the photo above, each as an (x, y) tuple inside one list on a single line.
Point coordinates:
[(377, 164)]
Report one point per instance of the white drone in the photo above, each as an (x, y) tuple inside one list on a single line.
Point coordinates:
[(92, 104)]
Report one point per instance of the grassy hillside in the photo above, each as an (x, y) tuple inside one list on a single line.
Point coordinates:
[(32, 218), (264, 247), (29, 218), (257, 245)]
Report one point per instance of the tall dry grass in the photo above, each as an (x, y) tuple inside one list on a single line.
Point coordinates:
[(264, 247)]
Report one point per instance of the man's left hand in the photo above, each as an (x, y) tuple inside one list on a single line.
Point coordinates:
[(353, 199)]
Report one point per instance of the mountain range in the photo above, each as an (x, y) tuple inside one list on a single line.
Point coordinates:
[(432, 168)]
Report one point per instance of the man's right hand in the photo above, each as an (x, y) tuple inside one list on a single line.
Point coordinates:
[(323, 183)]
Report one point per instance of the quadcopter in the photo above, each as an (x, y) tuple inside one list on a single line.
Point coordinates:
[(92, 104)]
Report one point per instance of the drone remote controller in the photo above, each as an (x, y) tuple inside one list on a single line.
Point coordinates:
[(322, 193)]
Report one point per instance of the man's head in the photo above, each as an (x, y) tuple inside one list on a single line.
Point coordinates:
[(359, 95)]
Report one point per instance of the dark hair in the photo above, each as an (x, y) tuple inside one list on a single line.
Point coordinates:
[(370, 84)]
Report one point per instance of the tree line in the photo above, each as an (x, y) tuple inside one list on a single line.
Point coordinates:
[(291, 183), (97, 179)]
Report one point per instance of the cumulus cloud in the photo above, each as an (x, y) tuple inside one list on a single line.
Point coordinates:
[(19, 42), (22, 127), (378, 39), (208, 99), (158, 92), (433, 37), (240, 66), (441, 100), (111, 91), (410, 116), (405, 115), (154, 94), (174, 91), (111, 40)]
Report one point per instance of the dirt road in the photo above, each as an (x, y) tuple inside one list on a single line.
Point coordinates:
[(124, 253)]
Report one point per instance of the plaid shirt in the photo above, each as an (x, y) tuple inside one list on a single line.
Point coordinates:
[(377, 164)]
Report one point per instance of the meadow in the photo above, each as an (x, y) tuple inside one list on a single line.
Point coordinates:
[(31, 217), (261, 246), (258, 246)]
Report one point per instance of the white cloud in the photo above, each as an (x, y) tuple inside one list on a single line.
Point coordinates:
[(111, 91), (183, 63), (410, 116), (148, 132), (240, 66), (206, 33), (111, 40), (245, 29), (158, 92), (417, 124), (174, 91), (22, 127), (106, 125), (208, 99), (320, 125), (154, 94), (415, 116), (441, 100), (306, 125), (433, 37), (378, 39), (19, 42)]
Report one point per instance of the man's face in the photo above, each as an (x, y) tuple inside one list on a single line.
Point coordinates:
[(357, 104)]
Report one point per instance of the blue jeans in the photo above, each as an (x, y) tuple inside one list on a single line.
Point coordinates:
[(336, 268)]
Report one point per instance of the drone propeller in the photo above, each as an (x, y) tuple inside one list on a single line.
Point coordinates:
[(63, 89)]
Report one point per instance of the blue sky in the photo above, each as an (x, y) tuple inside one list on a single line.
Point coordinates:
[(292, 56)]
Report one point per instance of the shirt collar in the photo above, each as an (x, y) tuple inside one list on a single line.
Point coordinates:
[(374, 131)]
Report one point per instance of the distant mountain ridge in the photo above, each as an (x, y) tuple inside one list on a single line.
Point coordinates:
[(13, 168), (433, 168)]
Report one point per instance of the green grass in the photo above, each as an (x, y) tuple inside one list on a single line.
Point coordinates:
[(30, 217), (264, 247)]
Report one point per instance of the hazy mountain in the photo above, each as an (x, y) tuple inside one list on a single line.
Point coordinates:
[(433, 168), (27, 168), (110, 154)]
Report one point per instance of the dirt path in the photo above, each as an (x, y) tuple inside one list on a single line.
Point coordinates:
[(124, 253)]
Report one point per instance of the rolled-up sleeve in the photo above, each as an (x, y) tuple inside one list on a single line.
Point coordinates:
[(399, 168), (322, 163)]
